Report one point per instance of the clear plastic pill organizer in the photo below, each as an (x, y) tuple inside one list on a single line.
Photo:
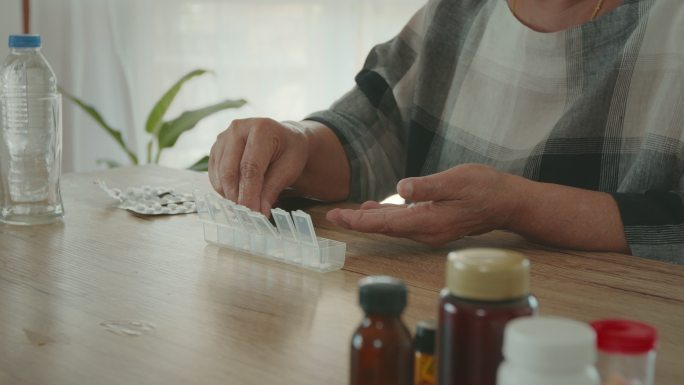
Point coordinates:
[(293, 240)]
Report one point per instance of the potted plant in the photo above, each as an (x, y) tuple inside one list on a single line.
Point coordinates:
[(163, 133)]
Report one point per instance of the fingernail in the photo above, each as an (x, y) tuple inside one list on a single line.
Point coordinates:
[(335, 216), (229, 193), (343, 219), (265, 208), (405, 188)]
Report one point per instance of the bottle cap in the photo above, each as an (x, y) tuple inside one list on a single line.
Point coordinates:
[(382, 295), (624, 337), (425, 337), (488, 274), (24, 41), (549, 344)]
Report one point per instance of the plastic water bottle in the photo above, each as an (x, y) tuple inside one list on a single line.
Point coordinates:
[(30, 135)]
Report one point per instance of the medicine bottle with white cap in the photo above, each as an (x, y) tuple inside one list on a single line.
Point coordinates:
[(548, 351)]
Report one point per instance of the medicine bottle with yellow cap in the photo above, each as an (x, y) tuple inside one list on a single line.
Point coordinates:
[(485, 288)]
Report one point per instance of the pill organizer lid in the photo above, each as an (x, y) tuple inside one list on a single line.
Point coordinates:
[(284, 223), (624, 337), (262, 224), (549, 344), (242, 214), (228, 210), (216, 208), (304, 226)]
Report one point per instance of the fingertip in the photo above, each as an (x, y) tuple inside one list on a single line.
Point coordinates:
[(332, 215), (251, 204), (370, 205), (228, 192), (336, 216), (345, 217), (266, 208), (215, 185), (405, 188)]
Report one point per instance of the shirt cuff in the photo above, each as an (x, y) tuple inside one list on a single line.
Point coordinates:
[(654, 224), (341, 128)]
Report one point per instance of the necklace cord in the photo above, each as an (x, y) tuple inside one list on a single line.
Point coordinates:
[(597, 8)]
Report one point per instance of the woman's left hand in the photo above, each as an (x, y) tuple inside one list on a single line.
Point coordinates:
[(469, 199)]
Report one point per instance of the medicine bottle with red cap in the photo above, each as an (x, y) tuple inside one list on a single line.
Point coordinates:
[(626, 352)]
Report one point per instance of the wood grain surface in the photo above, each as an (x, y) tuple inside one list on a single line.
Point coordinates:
[(107, 297)]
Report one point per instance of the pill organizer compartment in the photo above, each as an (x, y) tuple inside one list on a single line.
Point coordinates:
[(227, 224)]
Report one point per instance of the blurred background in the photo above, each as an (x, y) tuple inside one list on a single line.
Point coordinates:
[(285, 57)]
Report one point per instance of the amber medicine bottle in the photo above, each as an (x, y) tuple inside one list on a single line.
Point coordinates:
[(485, 288), (381, 347), (425, 363)]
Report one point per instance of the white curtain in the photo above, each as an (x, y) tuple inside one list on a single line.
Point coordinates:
[(10, 23), (286, 57)]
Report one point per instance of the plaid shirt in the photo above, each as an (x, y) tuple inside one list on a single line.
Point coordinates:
[(598, 106)]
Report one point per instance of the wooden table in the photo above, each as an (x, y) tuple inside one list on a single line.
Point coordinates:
[(198, 314)]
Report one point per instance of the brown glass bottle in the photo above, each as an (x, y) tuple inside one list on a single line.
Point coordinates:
[(381, 347), (424, 366), (486, 288)]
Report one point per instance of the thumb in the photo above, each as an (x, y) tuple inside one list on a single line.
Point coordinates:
[(433, 187)]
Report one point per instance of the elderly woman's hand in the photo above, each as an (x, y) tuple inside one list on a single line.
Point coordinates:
[(465, 200), (255, 159)]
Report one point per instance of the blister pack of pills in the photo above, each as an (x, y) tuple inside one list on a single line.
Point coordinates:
[(151, 200), (292, 240)]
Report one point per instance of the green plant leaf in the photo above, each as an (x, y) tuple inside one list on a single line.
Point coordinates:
[(171, 130), (150, 144), (110, 163), (201, 165), (154, 120), (114, 133)]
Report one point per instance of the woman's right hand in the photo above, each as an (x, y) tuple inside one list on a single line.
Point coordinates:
[(253, 160)]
